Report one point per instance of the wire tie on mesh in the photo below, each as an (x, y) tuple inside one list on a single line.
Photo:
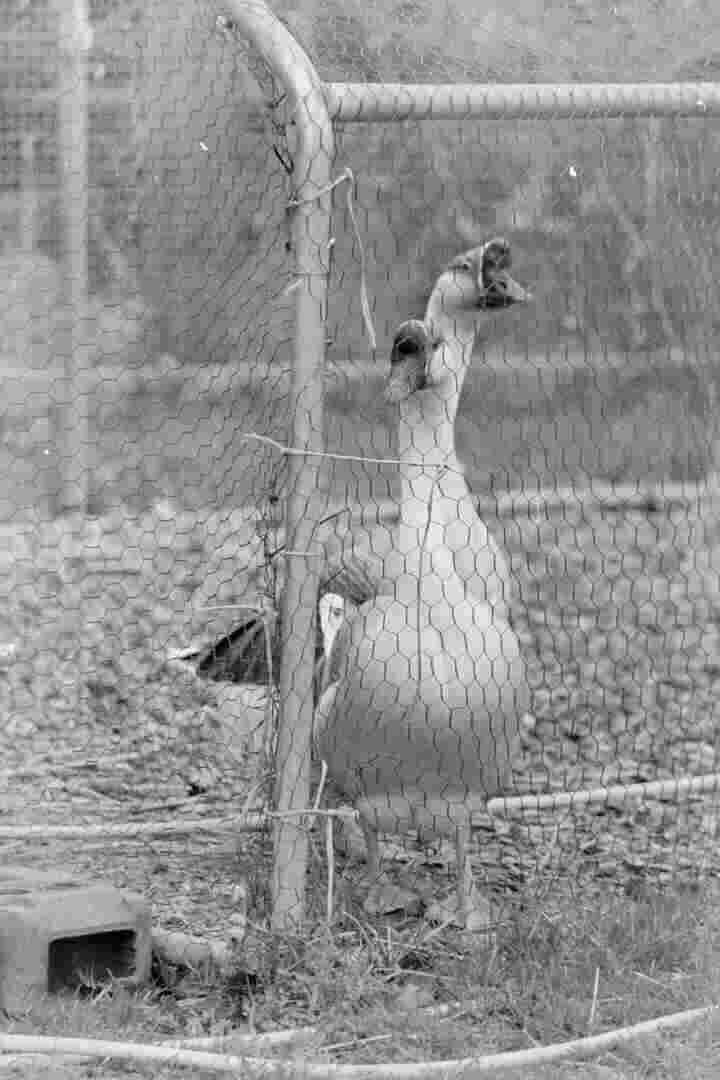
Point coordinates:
[(296, 451), (296, 554), (346, 175), (321, 785), (341, 812), (330, 853), (227, 607), (364, 301)]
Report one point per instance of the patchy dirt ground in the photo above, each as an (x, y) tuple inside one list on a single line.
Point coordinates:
[(618, 616), (97, 726)]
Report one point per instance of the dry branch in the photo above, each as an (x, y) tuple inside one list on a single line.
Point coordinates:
[(253, 822), (186, 950)]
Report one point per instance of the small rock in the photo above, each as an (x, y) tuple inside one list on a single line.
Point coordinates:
[(384, 898)]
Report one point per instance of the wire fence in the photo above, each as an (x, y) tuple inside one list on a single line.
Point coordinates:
[(441, 355)]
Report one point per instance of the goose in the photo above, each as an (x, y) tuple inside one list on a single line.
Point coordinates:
[(425, 687), (241, 656), (358, 564)]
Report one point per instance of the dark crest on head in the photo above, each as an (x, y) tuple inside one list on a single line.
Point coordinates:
[(409, 360), (496, 256)]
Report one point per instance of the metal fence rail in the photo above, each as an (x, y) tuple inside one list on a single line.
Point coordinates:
[(363, 102)]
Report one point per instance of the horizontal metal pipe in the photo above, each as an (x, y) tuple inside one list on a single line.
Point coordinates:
[(682, 788), (352, 102)]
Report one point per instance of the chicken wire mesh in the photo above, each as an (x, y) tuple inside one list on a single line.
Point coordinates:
[(104, 723), (138, 676), (611, 584)]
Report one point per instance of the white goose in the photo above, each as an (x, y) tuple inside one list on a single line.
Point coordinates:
[(425, 688), (361, 561)]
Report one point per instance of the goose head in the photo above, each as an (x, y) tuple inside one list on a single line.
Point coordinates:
[(473, 286), (332, 615), (434, 354)]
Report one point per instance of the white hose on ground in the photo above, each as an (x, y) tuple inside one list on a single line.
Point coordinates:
[(250, 1067)]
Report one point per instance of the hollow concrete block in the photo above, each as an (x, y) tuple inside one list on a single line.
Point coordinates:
[(58, 932)]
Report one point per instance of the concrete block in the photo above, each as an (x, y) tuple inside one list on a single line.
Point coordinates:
[(56, 932)]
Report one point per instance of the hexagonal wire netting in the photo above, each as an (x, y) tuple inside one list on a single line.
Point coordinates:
[(508, 503)]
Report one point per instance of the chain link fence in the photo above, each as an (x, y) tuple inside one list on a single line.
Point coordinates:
[(216, 409)]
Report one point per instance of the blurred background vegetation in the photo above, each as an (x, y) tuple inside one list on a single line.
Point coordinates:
[(613, 222)]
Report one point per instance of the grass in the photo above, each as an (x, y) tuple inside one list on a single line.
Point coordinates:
[(568, 962)]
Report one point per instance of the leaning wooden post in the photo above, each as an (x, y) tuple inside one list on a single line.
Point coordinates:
[(310, 207)]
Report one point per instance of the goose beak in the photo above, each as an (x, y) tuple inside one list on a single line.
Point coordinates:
[(515, 293), (503, 291)]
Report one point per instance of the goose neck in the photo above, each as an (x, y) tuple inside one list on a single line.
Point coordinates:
[(419, 439), (429, 466), (432, 481)]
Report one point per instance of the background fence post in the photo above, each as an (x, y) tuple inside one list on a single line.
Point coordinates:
[(311, 207), (72, 332), (28, 195)]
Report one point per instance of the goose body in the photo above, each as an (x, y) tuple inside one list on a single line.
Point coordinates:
[(425, 688), (418, 729)]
